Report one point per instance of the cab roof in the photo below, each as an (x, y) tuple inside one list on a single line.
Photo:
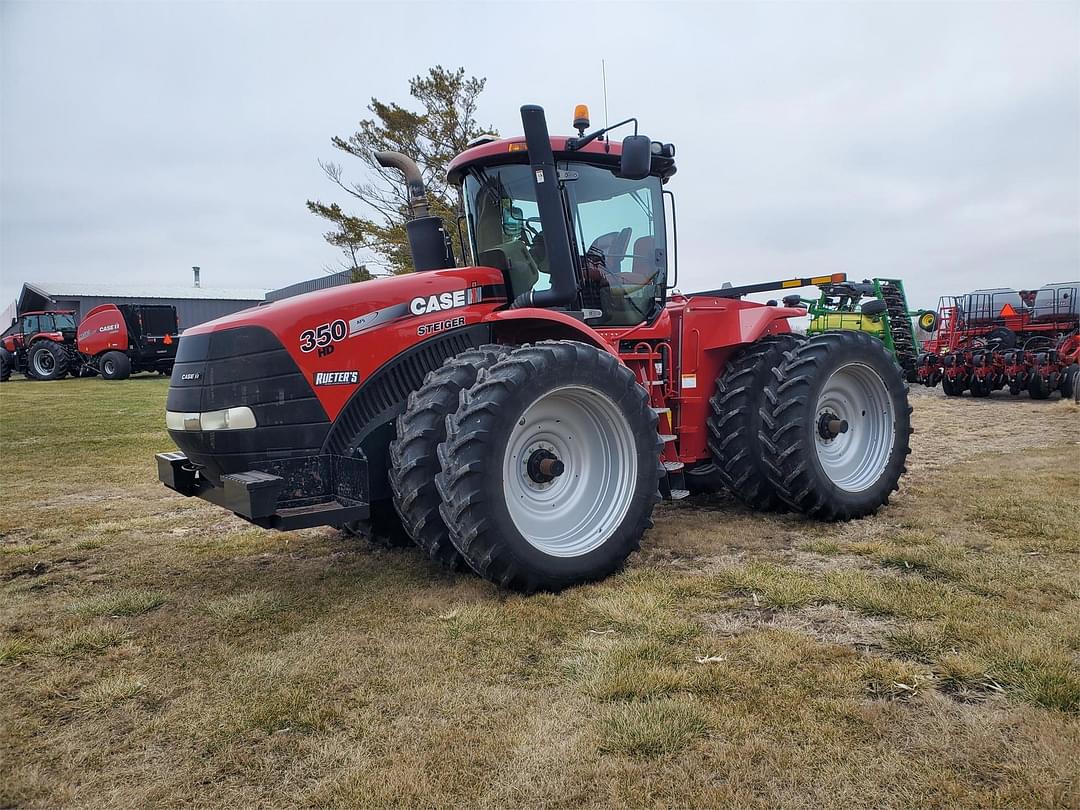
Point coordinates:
[(601, 152)]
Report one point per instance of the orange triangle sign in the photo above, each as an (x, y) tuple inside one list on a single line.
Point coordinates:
[(1007, 311), (168, 339)]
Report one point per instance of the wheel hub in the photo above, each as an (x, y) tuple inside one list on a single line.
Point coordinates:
[(830, 425), (543, 466)]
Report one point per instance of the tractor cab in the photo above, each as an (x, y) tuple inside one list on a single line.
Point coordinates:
[(606, 233), (31, 324)]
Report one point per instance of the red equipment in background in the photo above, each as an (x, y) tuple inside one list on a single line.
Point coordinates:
[(112, 340), (1026, 340), (118, 340), (40, 345)]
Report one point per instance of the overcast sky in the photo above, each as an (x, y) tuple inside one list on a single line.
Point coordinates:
[(936, 142)]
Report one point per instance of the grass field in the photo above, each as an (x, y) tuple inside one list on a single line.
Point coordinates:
[(155, 651)]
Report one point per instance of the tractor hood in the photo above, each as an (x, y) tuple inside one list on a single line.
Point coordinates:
[(286, 370)]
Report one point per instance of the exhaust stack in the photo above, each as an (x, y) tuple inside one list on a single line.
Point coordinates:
[(552, 215), (429, 242)]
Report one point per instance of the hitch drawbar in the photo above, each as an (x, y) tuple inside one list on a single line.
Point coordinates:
[(271, 501)]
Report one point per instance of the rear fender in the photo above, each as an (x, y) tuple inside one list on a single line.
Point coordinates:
[(55, 337), (532, 324)]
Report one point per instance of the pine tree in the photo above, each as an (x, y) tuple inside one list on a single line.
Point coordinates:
[(443, 127)]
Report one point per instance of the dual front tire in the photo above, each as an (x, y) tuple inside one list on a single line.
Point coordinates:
[(549, 473), (536, 467)]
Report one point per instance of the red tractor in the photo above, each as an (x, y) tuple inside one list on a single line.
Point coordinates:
[(522, 415), (39, 345), (1025, 340), (113, 340)]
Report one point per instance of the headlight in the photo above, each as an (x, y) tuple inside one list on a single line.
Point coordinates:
[(239, 418)]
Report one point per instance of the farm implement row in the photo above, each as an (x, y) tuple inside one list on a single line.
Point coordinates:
[(1023, 340)]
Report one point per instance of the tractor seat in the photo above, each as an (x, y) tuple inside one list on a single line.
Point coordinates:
[(644, 256)]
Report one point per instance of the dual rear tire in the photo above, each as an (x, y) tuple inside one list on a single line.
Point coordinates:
[(836, 426), (818, 425)]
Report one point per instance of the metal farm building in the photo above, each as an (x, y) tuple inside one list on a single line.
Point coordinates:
[(194, 305)]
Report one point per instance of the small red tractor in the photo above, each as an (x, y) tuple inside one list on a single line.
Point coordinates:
[(113, 340), (1025, 340), (522, 414)]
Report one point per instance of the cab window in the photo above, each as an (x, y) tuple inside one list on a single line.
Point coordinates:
[(30, 325), (504, 223), (619, 227)]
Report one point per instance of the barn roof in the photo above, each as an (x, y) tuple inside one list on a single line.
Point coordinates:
[(82, 289)]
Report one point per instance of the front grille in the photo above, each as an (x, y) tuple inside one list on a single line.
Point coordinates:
[(244, 366)]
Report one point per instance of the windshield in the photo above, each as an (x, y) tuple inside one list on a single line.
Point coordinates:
[(618, 231), (64, 321)]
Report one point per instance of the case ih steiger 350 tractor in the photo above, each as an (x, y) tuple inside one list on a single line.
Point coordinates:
[(1025, 340), (113, 340), (523, 414)]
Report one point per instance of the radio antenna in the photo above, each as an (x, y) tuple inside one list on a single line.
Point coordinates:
[(603, 73)]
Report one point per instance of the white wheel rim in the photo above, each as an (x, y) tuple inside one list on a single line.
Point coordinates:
[(578, 510), (856, 459), (110, 367), (44, 362)]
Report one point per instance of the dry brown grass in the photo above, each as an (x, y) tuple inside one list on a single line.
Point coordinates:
[(155, 651)]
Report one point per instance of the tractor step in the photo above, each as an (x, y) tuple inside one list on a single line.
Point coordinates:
[(673, 481), (667, 438)]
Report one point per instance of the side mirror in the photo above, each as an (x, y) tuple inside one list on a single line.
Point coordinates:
[(875, 307), (636, 162)]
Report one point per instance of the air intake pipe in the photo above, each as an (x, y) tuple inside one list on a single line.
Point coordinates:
[(552, 215), (429, 243)]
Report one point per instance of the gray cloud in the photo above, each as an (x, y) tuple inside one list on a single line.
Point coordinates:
[(936, 142)]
